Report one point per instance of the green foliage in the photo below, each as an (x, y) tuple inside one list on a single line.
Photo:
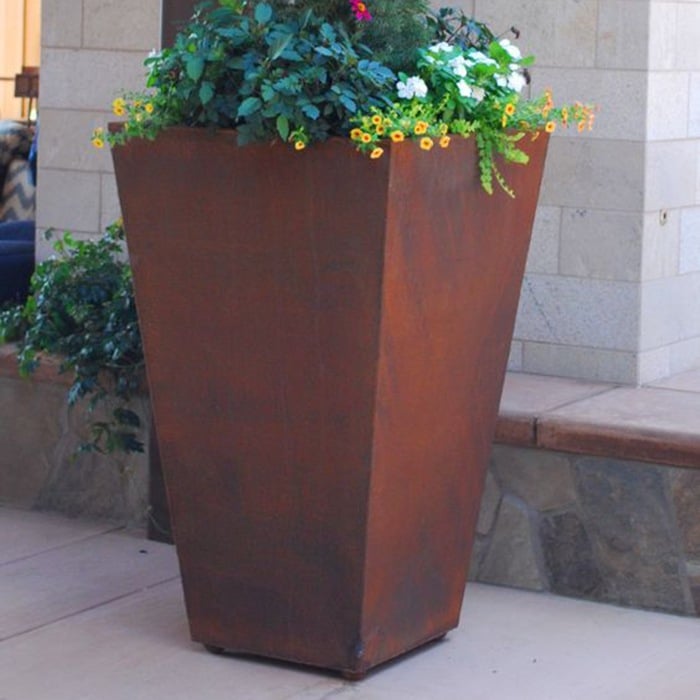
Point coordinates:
[(81, 309), (265, 74), (302, 70)]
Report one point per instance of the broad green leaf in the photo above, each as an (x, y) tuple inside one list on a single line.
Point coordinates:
[(263, 13), (283, 127), (278, 46), (195, 67), (206, 92), (249, 106)]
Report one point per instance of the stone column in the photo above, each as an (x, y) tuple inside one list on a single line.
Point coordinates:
[(614, 269)]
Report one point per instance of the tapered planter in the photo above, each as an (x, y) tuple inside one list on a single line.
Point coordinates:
[(326, 339)]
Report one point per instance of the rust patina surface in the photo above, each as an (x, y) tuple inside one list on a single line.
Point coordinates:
[(326, 338)]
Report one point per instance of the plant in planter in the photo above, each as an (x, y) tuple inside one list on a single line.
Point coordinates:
[(326, 333)]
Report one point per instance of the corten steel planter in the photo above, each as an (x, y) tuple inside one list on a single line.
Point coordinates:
[(326, 339)]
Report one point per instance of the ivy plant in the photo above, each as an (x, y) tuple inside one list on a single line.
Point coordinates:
[(81, 309)]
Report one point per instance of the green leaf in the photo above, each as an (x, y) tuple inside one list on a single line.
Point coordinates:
[(206, 92), (263, 13), (249, 106), (278, 46), (283, 127), (311, 111), (195, 67)]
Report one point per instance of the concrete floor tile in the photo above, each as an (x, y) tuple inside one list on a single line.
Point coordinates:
[(24, 533), (37, 590), (138, 648)]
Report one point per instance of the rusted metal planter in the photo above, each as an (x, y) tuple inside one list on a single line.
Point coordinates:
[(326, 339)]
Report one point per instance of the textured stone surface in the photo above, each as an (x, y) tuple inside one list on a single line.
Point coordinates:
[(490, 500), (569, 556), (626, 513), (512, 558), (685, 493), (543, 480), (40, 466)]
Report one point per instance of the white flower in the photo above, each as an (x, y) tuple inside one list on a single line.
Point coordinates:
[(459, 66), (480, 57), (439, 48), (513, 50), (465, 90), (517, 81), (478, 93), (413, 87)]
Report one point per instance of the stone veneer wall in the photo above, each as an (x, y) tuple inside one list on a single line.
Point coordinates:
[(40, 467), (614, 271), (91, 49), (603, 529), (615, 262)]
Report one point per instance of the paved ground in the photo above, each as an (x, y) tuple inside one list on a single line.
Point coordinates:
[(91, 613)]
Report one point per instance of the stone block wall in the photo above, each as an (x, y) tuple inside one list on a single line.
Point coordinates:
[(614, 261), (91, 50), (609, 530)]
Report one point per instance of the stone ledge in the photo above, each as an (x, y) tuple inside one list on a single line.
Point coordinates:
[(48, 370), (656, 423)]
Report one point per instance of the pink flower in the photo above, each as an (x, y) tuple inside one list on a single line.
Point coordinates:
[(360, 11)]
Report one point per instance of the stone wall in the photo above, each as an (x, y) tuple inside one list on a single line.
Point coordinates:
[(41, 467), (604, 529), (91, 50), (615, 257)]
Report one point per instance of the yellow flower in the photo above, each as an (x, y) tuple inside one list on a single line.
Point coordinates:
[(299, 145), (581, 125), (445, 141), (510, 109), (356, 134), (377, 153), (377, 120), (420, 128), (504, 121), (119, 107), (564, 115), (550, 127), (149, 107), (98, 138), (397, 136), (426, 143), (380, 130), (365, 138)]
